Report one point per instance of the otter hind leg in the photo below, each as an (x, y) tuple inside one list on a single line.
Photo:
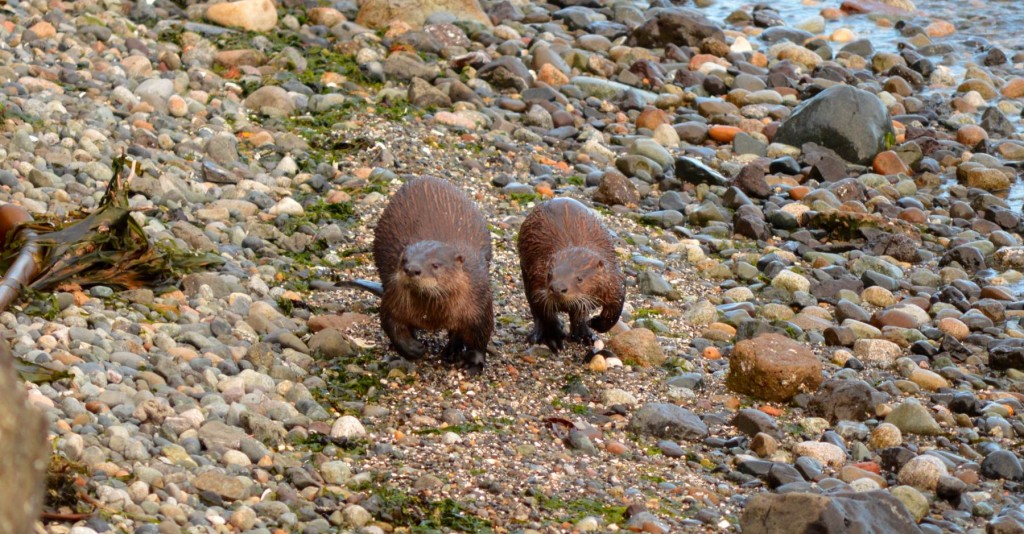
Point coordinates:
[(453, 349), (473, 361)]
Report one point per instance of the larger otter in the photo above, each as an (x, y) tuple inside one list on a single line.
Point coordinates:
[(569, 265), (433, 253)]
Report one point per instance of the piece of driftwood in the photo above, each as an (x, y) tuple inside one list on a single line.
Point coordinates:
[(24, 455)]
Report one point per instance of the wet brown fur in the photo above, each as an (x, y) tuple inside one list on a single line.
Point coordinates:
[(569, 266), (432, 225)]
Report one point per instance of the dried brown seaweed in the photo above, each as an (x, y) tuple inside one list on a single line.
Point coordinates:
[(107, 246)]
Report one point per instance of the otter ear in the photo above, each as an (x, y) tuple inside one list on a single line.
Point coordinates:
[(600, 264)]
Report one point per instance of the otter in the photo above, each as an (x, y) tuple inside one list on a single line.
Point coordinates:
[(569, 265), (433, 253)]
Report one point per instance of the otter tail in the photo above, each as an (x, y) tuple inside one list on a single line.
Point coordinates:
[(373, 287)]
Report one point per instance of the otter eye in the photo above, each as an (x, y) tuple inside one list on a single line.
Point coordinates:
[(435, 265), (579, 278)]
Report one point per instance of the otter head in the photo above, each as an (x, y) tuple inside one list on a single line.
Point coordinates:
[(574, 275), (425, 265)]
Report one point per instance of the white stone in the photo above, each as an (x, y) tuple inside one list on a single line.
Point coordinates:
[(347, 427)]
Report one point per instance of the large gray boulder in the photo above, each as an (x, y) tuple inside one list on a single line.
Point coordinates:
[(852, 122), (662, 420), (849, 512)]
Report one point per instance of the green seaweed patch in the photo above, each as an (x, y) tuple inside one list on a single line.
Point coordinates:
[(319, 213), (424, 516), (348, 380), (400, 110), (524, 198), (579, 409), (576, 509), (44, 304), (644, 313), (316, 442)]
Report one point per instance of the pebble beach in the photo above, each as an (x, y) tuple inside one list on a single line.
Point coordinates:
[(817, 206)]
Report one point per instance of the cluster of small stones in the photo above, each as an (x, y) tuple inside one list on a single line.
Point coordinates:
[(815, 307)]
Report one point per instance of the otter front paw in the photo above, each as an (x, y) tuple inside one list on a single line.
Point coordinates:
[(553, 338), (581, 333), (410, 349)]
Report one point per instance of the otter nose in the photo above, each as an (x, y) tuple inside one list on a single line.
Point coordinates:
[(559, 288), (413, 269)]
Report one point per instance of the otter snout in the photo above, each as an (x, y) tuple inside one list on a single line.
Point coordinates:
[(559, 288), (412, 269)]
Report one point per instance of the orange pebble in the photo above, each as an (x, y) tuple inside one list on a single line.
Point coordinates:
[(771, 410), (723, 133), (871, 467), (616, 448), (712, 353), (799, 192)]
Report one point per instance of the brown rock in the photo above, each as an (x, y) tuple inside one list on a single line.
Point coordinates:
[(894, 318), (651, 118), (238, 58), (764, 445), (177, 106), (850, 473), (982, 177), (940, 28), (971, 135), (773, 367), (43, 30), (23, 451), (270, 97), (226, 486), (997, 292), (913, 215), (954, 327), (888, 162), (1014, 88), (1011, 150), (638, 346), (550, 75), (339, 322), (325, 16), (380, 13), (616, 189), (251, 15), (983, 87)]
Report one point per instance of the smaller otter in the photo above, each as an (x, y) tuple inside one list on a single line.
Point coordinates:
[(433, 252), (569, 265)]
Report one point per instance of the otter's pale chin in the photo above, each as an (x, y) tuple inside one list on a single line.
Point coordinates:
[(421, 284)]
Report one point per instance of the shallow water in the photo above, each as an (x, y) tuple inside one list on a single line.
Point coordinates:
[(980, 25)]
